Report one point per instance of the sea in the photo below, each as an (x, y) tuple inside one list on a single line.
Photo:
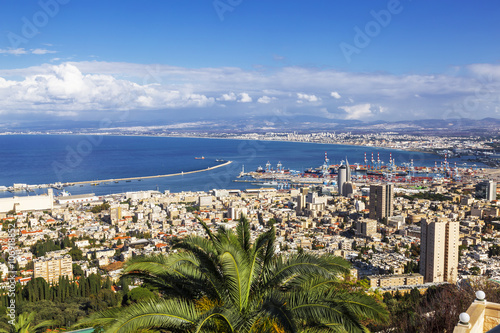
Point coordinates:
[(47, 159)]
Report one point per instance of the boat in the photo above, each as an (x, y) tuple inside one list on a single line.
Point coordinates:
[(116, 182), (128, 181), (200, 158), (220, 160), (374, 173)]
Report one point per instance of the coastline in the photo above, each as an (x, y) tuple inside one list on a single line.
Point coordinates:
[(229, 138)]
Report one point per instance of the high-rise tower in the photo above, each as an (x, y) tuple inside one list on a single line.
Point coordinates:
[(381, 197), (343, 176), (439, 250)]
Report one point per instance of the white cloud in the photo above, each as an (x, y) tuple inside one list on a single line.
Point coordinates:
[(266, 99), (42, 51), (97, 85), (335, 94), (227, 97), (358, 111), (308, 98), (66, 88), (244, 98), (20, 51), (17, 51)]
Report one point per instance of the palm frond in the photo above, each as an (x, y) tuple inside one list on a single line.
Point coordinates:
[(243, 232), (175, 315)]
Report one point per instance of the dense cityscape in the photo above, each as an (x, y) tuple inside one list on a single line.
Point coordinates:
[(398, 237), (233, 166)]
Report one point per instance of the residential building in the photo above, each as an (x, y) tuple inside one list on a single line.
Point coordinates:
[(486, 190), (51, 268), (366, 227), (439, 250), (381, 201)]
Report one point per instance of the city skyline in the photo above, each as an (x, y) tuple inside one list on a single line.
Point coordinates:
[(388, 60), (183, 166)]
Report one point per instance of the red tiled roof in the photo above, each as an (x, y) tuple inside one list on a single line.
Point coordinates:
[(25, 232), (121, 237)]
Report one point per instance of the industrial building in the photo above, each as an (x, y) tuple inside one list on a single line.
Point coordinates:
[(28, 203)]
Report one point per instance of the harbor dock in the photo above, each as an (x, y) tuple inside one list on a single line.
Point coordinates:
[(29, 188)]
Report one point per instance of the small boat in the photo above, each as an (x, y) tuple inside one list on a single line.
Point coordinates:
[(200, 158), (116, 182), (220, 160), (128, 181)]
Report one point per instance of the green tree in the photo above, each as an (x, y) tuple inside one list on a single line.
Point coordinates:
[(139, 294), (227, 284), (77, 270), (475, 270), (24, 324), (76, 254)]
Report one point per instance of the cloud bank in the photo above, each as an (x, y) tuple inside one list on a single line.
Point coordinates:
[(74, 88)]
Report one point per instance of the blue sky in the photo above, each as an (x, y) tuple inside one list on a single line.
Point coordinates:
[(73, 59)]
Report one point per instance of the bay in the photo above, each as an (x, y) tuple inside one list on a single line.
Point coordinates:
[(45, 159)]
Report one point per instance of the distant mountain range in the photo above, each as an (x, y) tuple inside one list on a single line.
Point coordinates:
[(302, 124)]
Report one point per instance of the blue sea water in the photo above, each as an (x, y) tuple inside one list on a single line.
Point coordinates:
[(44, 159)]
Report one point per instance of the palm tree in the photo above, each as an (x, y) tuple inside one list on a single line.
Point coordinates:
[(24, 324), (226, 283)]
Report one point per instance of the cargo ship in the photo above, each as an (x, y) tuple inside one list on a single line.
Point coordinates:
[(200, 158)]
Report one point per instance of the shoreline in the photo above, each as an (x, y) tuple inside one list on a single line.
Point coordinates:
[(221, 138)]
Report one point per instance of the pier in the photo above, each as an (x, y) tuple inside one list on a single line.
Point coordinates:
[(59, 186), (147, 177)]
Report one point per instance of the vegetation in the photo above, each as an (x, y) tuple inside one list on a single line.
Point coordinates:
[(76, 254), (227, 284), (427, 196), (40, 248), (436, 311), (61, 304), (24, 324), (192, 208), (493, 251), (100, 208)]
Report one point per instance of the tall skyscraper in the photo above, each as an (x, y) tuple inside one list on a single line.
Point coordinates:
[(341, 178), (439, 250), (344, 176), (381, 197), (301, 200), (486, 190)]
